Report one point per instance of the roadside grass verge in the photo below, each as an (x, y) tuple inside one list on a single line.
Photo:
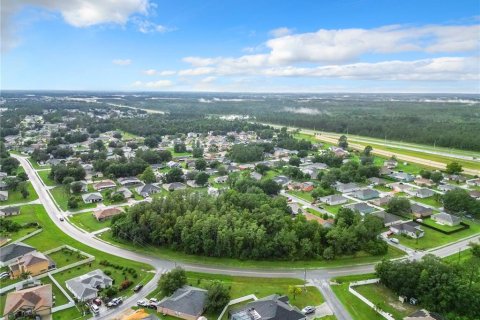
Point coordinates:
[(45, 178), (87, 221), (359, 258), (61, 197)]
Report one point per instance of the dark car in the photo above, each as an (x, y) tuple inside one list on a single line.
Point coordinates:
[(138, 287)]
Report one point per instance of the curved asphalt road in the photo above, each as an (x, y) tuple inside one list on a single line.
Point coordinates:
[(319, 277)]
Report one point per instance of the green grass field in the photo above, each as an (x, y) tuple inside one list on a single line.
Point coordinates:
[(65, 257), (430, 201), (15, 197), (386, 300), (61, 197), (434, 238), (36, 166), (88, 222), (360, 258), (432, 223), (307, 196), (44, 176), (60, 298), (356, 307)]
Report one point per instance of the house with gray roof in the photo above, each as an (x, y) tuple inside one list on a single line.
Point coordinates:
[(334, 199), (92, 197), (147, 190), (446, 187), (274, 307), (388, 218), (366, 194), (86, 287), (9, 211), (347, 187), (14, 251), (281, 180), (129, 181), (421, 193), (402, 176), (410, 228), (3, 195), (361, 207), (174, 186), (185, 303), (446, 219), (420, 211)]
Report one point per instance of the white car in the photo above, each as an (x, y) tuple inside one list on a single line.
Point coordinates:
[(143, 303), (308, 310)]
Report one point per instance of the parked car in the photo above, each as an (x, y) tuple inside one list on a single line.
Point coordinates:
[(4, 275), (97, 301), (153, 300), (394, 240), (95, 309), (138, 287), (143, 303), (115, 302), (308, 310)]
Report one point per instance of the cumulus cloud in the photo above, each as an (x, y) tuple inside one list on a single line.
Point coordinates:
[(146, 26), (78, 13), (164, 73), (122, 62), (280, 32), (159, 84)]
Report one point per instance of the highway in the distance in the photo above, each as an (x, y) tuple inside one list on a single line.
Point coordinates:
[(319, 277)]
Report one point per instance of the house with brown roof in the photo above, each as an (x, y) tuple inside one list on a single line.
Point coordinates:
[(104, 184), (28, 302), (33, 263), (108, 213)]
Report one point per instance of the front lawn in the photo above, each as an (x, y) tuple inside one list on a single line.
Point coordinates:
[(446, 228), (386, 300), (356, 307), (16, 196), (307, 196), (430, 201), (334, 209), (87, 221), (36, 166), (61, 197), (433, 238)]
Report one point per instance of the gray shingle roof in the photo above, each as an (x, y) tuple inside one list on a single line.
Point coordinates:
[(273, 307), (14, 250), (186, 300)]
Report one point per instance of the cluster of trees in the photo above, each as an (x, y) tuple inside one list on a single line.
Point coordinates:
[(329, 158), (287, 141), (121, 167), (449, 289), (62, 173), (246, 224), (435, 176), (458, 201), (349, 172), (154, 156), (7, 163), (246, 152)]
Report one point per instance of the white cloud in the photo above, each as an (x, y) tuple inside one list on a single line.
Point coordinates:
[(164, 73), (159, 84), (78, 13), (146, 26), (122, 62), (208, 79), (280, 32)]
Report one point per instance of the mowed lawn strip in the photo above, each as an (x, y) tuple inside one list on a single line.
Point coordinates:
[(355, 307), (43, 174), (61, 197), (87, 221), (16, 197)]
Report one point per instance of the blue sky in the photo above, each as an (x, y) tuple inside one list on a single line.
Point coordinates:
[(255, 46)]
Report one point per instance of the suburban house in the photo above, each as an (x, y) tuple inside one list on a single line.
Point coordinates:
[(361, 207), (274, 307), (34, 263), (174, 186), (420, 211), (423, 182), (474, 182), (388, 218), (377, 181), (9, 211), (474, 194), (334, 199), (28, 302), (85, 287), (295, 208), (105, 214), (281, 180), (83, 183), (173, 164), (185, 303), (402, 176), (129, 181), (421, 193), (256, 176), (399, 187), (9, 254), (383, 201), (92, 197), (446, 219), (366, 194), (193, 184), (213, 191), (446, 187), (125, 192), (221, 179), (3, 195), (391, 163), (147, 190), (347, 187), (104, 184), (410, 228), (140, 314)]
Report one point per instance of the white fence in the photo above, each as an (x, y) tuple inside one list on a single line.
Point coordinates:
[(384, 314), (31, 234)]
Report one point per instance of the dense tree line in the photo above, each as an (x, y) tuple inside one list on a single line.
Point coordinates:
[(245, 225), (246, 153), (450, 289), (61, 171), (120, 168)]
